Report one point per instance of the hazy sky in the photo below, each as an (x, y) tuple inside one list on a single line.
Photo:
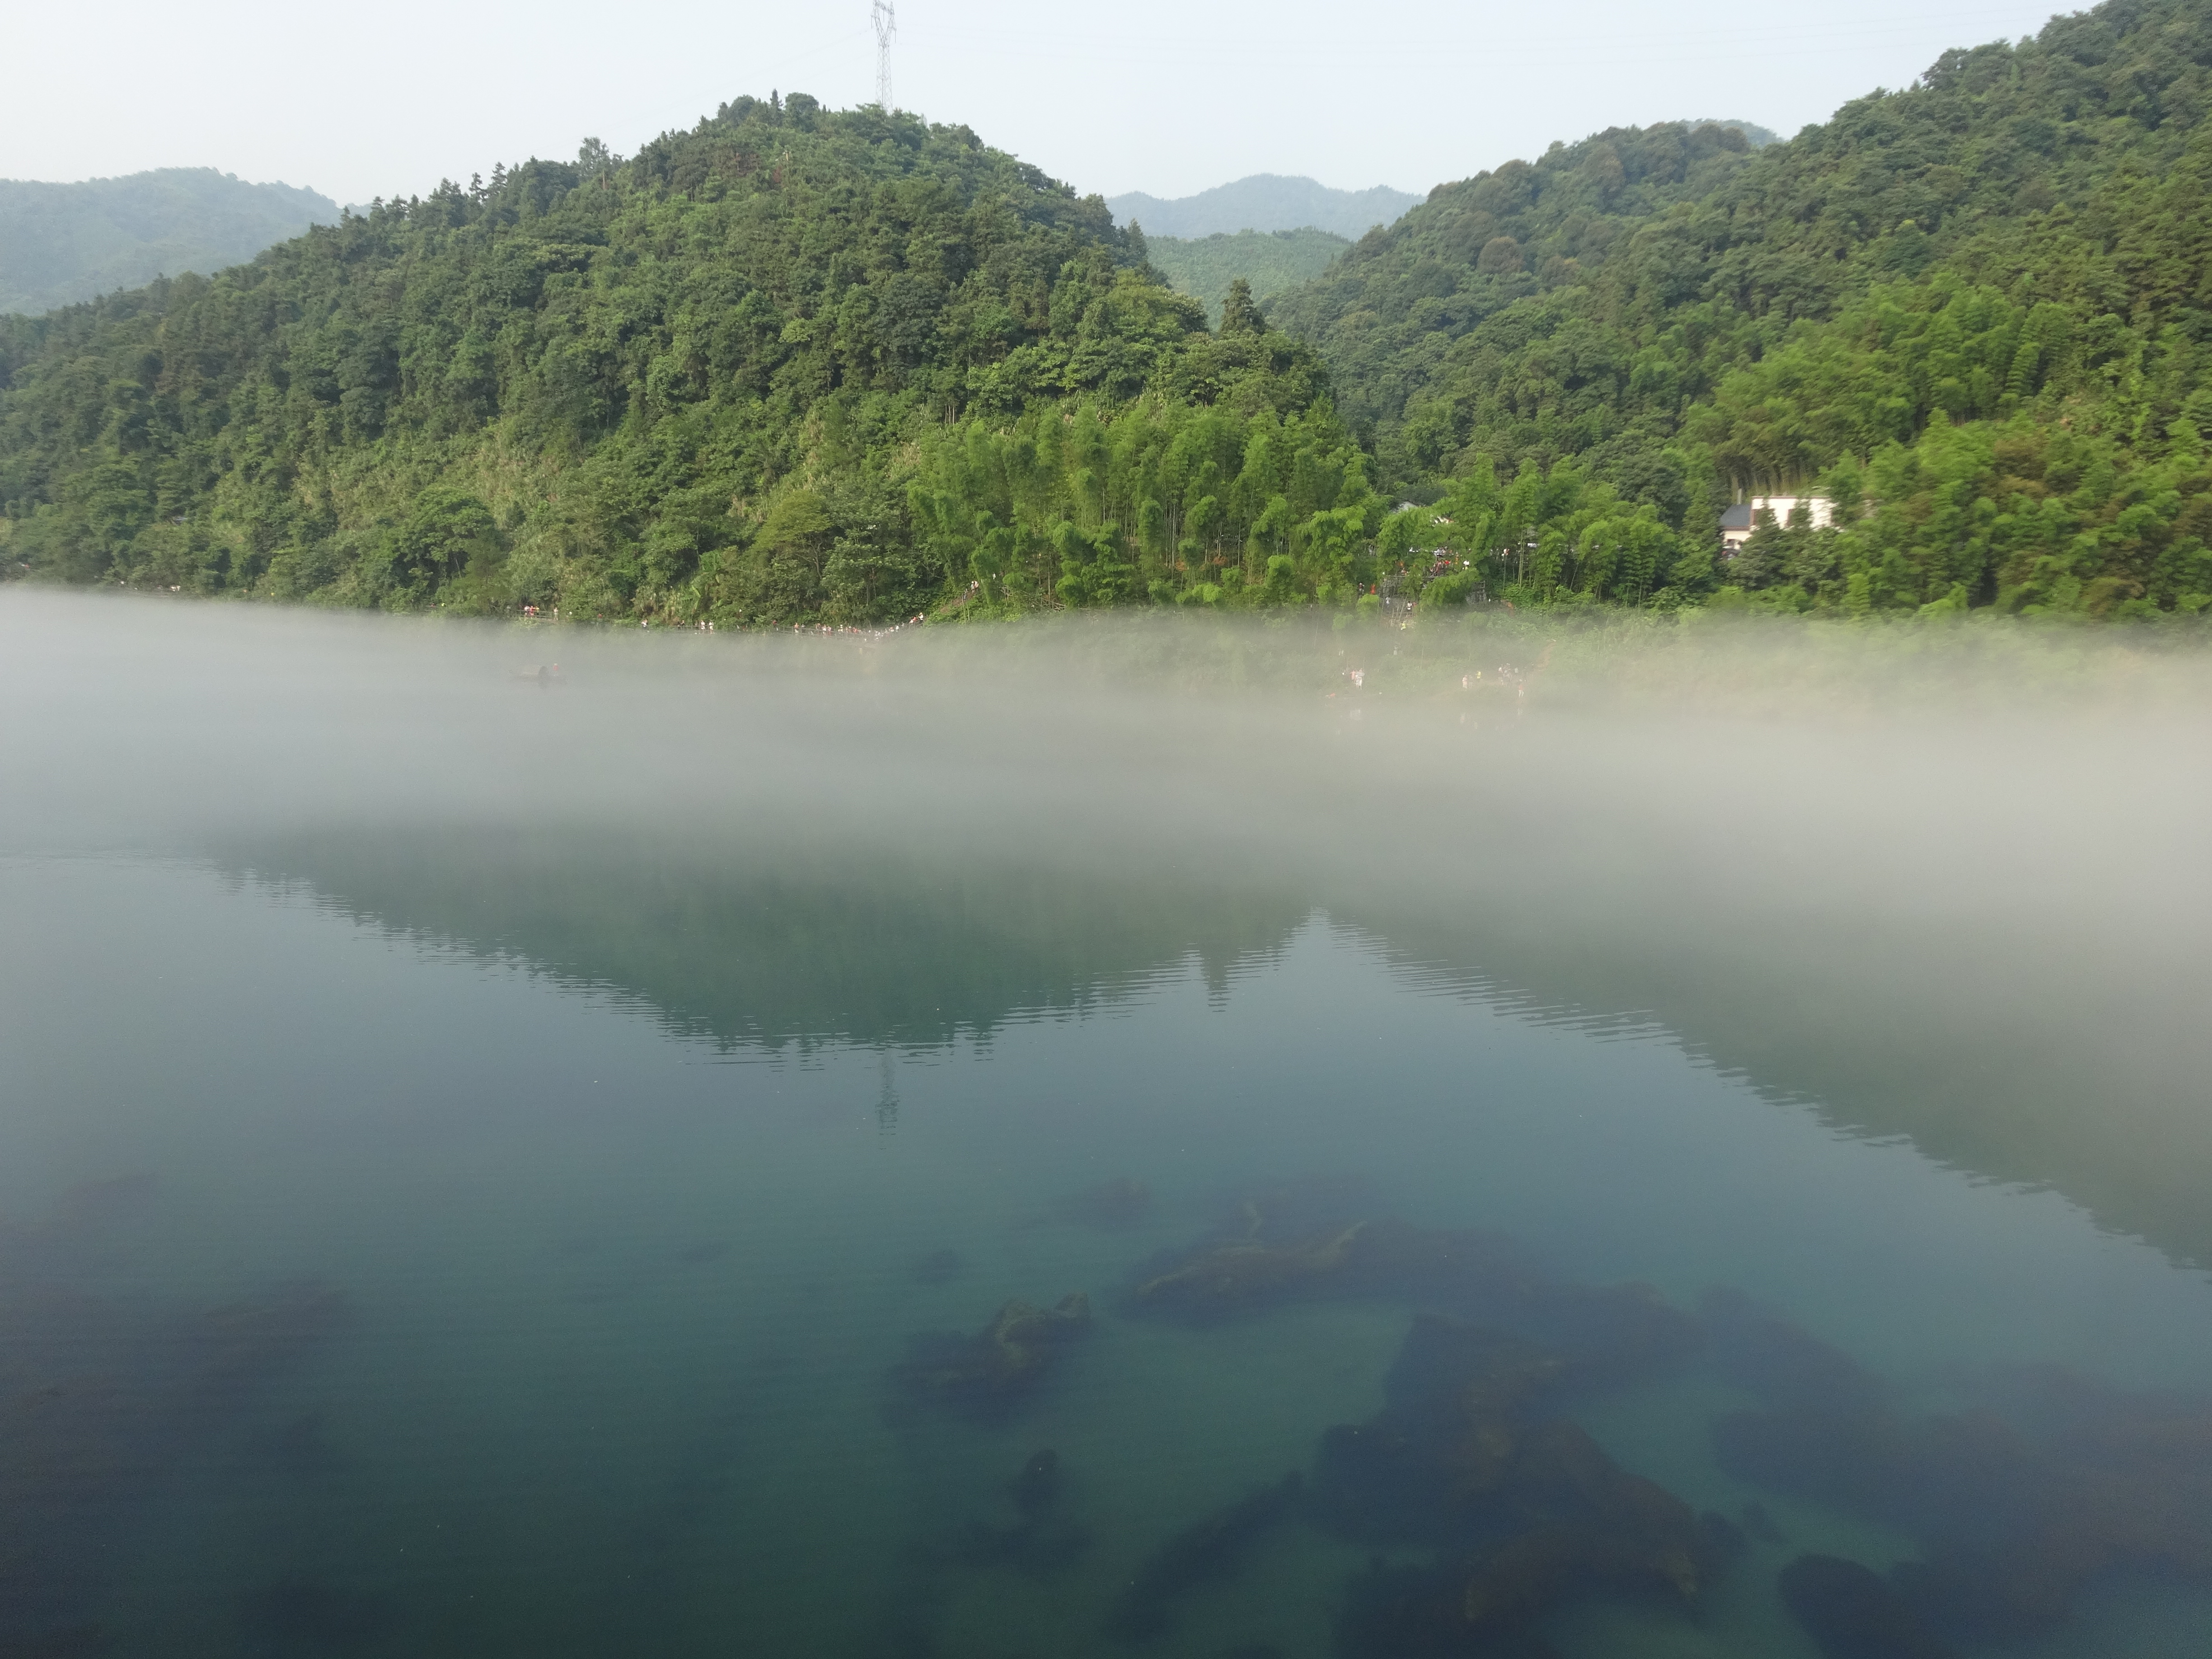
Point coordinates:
[(1141, 95)]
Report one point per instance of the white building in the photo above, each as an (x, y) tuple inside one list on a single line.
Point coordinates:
[(1738, 522)]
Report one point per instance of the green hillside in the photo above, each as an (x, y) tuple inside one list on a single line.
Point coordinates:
[(1974, 311), (63, 243), (1265, 201), (789, 366), (1270, 261), (794, 366)]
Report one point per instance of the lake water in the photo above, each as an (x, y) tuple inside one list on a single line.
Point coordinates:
[(526, 1192)]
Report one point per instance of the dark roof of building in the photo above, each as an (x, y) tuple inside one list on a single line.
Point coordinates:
[(1737, 517)]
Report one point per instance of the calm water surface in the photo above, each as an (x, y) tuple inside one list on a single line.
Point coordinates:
[(372, 1292), (795, 1161)]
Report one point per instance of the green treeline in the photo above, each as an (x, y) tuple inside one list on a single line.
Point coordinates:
[(1269, 261), (797, 366), (63, 243), (746, 375), (1975, 312)]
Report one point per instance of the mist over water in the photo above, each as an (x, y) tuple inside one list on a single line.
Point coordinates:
[(486, 1147)]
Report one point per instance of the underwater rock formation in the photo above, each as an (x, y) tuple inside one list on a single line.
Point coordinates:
[(1759, 1525), (1526, 1509), (1320, 1239), (1851, 1611), (1042, 1540), (988, 1374), (1414, 1613), (1210, 1551), (1229, 1277), (104, 1394), (2019, 1512), (1293, 1245)]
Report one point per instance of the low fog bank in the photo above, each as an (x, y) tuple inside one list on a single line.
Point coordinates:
[(1774, 772), (1812, 767), (1946, 884)]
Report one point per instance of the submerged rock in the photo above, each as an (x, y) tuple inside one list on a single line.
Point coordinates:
[(1211, 1550), (1851, 1611), (1303, 1244), (1042, 1540), (1221, 1279), (1582, 1521), (1759, 1525), (2019, 1513), (104, 1398), (1529, 1509), (990, 1373), (1262, 1266), (1416, 1613), (1424, 1469)]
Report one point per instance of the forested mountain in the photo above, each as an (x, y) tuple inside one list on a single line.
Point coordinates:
[(788, 365), (1266, 201), (1269, 261), (794, 365), (61, 243), (1975, 313)]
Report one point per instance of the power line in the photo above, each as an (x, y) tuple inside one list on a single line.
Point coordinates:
[(885, 16)]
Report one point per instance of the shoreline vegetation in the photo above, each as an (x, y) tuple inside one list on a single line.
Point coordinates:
[(841, 368)]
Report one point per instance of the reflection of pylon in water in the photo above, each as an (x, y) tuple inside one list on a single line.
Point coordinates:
[(887, 1101), (884, 16)]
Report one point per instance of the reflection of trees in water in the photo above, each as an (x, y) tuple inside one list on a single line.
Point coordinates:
[(1959, 1036), (1994, 1049), (778, 945)]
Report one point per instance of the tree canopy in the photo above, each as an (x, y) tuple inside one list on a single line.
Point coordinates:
[(801, 365), (735, 375), (1975, 310), (61, 243)]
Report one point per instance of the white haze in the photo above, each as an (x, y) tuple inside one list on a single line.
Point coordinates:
[(2069, 773), (1962, 868), (1166, 98)]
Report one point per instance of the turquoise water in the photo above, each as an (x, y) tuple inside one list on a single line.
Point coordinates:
[(616, 1305), (747, 1153)]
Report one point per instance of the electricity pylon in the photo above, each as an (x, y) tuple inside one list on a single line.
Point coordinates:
[(884, 16)]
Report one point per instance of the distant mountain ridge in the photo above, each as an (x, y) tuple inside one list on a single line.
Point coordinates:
[(63, 243), (1270, 260), (1266, 201)]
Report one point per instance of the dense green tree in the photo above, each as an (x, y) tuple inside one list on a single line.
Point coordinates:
[(800, 367), (707, 382), (61, 243), (1986, 298), (1268, 261)]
